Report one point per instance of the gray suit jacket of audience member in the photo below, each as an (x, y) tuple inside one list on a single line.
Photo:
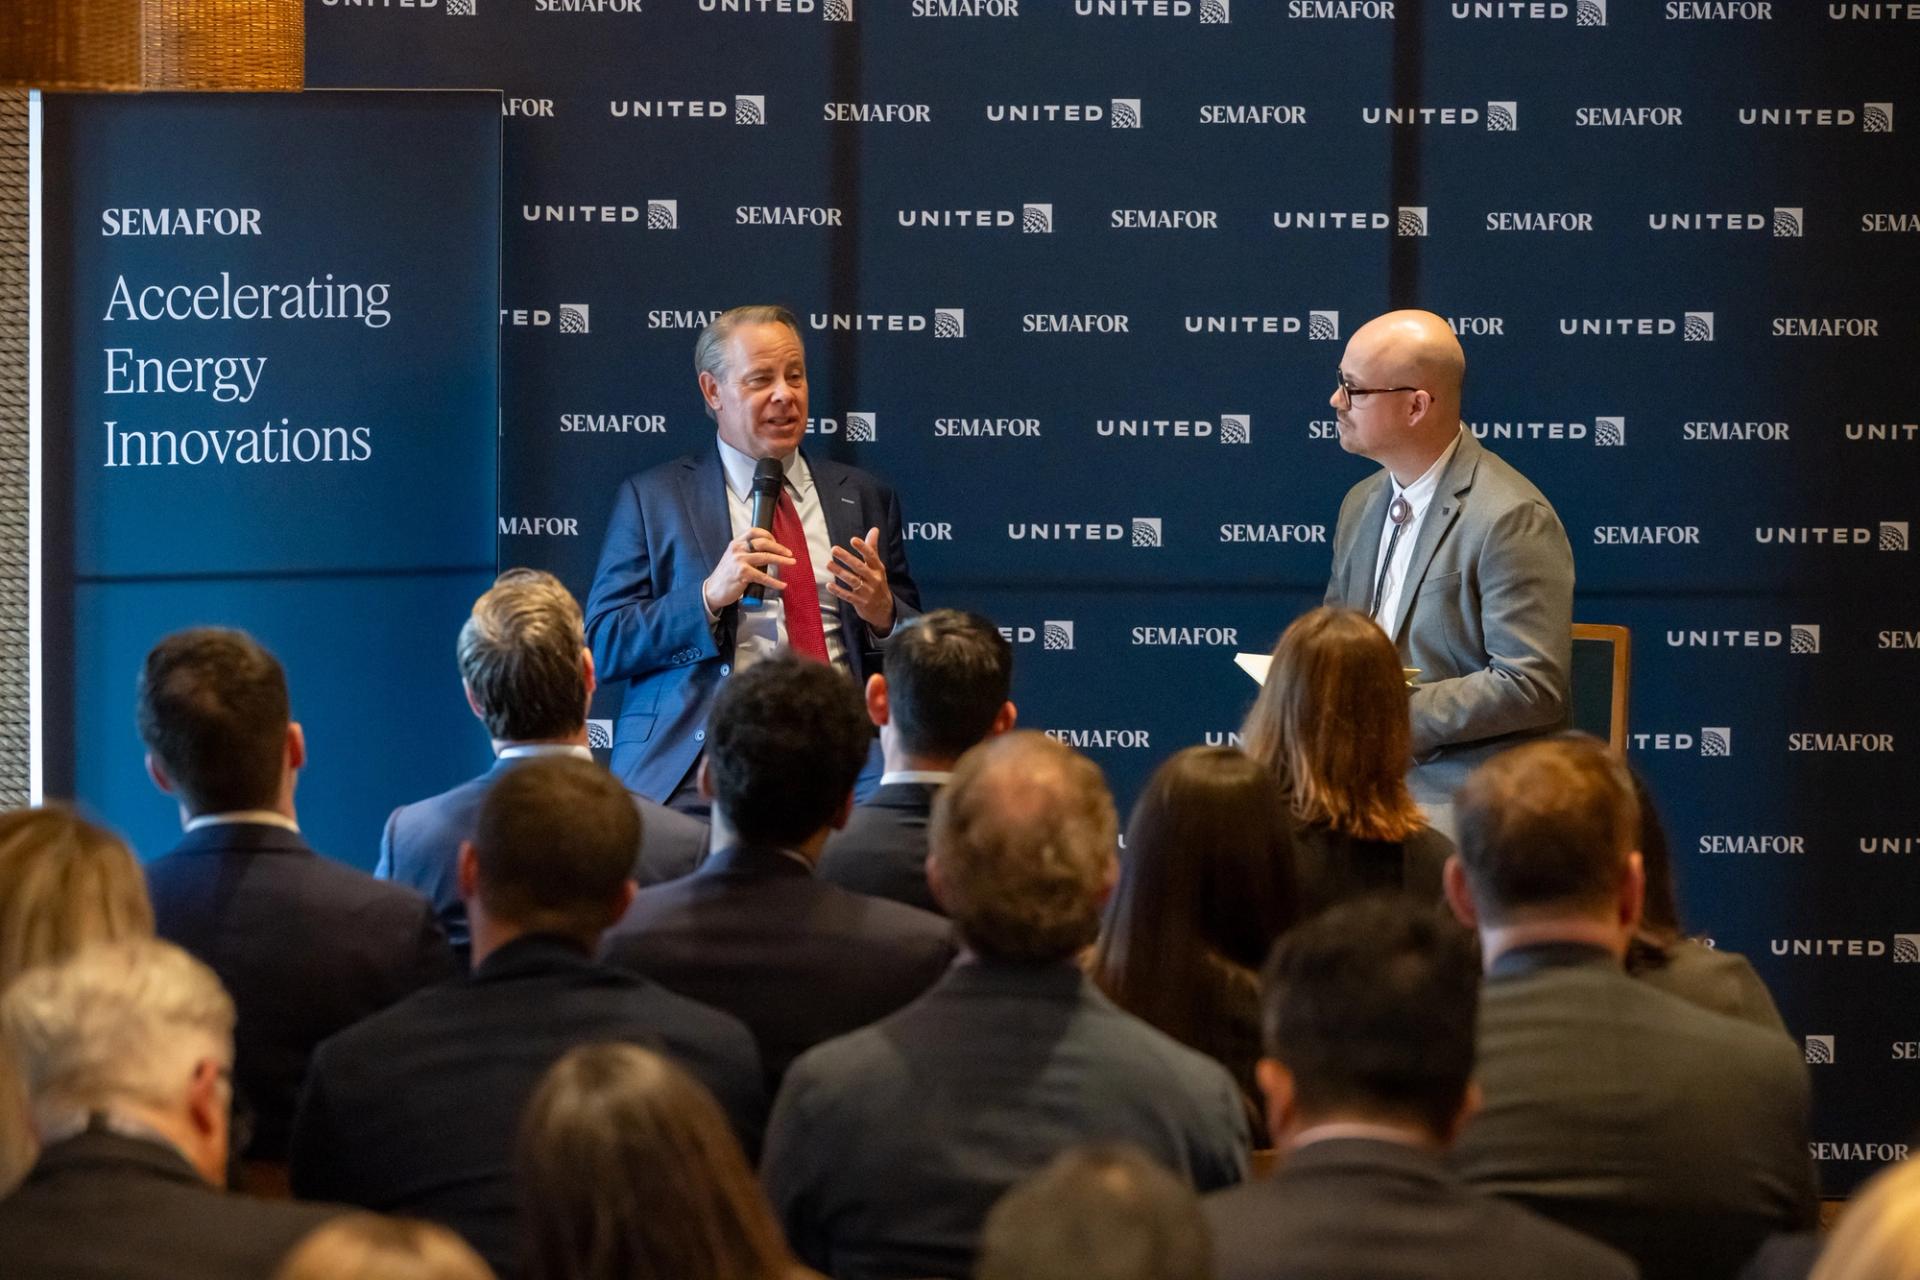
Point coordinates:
[(1365, 1209), (888, 1146), (883, 849), (1676, 1135), (755, 932), (1722, 981), (420, 847), (103, 1206)]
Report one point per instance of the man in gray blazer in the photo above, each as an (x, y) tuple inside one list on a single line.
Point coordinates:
[(1456, 555), (1677, 1135)]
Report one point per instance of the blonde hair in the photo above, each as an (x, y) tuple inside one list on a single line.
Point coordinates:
[(366, 1246), (1332, 722), (64, 883), (519, 652), (1879, 1235)]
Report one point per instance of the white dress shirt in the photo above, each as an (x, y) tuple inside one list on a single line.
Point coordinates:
[(234, 817), (534, 750), (758, 633), (1419, 496)]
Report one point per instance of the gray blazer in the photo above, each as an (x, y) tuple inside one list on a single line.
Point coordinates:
[(1486, 613)]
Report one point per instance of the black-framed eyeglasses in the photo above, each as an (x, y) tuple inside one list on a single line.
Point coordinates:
[(1347, 393)]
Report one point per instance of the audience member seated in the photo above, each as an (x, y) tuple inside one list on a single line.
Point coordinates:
[(1331, 722), (943, 688), (64, 883), (529, 677), (1097, 1213), (888, 1146), (1206, 886), (1677, 1135), (1369, 1023), (414, 1111), (627, 1172), (365, 1246), (1664, 956), (127, 1051), (305, 945), (1878, 1237), (754, 931)]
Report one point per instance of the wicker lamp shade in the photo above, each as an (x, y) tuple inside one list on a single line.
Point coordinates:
[(153, 44)]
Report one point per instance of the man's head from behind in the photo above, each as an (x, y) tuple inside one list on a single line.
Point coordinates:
[(1021, 848), (552, 850), (1097, 1213), (1547, 837), (523, 658), (946, 678), (785, 744), (1368, 1015), (138, 1030), (212, 710)]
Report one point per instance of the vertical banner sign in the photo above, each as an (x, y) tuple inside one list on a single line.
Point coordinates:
[(272, 379), (1074, 277)]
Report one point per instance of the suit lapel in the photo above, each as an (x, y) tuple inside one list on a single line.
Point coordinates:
[(1362, 561), (705, 485), (843, 525), (1449, 497)]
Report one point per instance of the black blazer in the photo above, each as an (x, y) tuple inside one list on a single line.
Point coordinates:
[(1364, 1209), (1333, 867), (101, 1206), (420, 847), (416, 1110), (798, 960), (882, 851), (305, 946)]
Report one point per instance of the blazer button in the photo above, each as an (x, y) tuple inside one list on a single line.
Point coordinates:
[(699, 735), (726, 669)]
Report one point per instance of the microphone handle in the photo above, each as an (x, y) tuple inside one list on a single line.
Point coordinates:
[(764, 504)]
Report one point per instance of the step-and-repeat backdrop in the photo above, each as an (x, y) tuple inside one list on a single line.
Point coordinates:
[(1075, 275)]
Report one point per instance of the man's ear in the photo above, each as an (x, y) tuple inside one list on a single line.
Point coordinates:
[(473, 701), (296, 747), (158, 772), (879, 707), (209, 1117), (704, 779), (843, 813), (937, 884), (1418, 404), (1008, 717), (467, 872), (1633, 892), (618, 907), (1470, 1103), (709, 389), (1276, 1086), (587, 673), (1459, 895)]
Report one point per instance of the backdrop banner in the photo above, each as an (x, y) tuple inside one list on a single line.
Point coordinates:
[(1075, 276)]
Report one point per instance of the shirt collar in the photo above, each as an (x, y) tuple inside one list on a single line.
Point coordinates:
[(739, 468), (531, 750), (1354, 1129), (928, 777), (234, 817), (1422, 489)]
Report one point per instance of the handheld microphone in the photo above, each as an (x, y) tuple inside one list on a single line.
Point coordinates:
[(768, 476)]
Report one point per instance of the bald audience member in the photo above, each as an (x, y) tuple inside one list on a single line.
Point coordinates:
[(1455, 554), (1097, 1213), (126, 1049), (889, 1146), (1675, 1134)]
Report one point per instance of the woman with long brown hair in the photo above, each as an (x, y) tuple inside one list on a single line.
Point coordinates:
[(1206, 887), (629, 1171), (1332, 723)]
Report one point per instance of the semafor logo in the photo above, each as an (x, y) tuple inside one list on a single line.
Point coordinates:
[(862, 428), (1147, 532), (1819, 1050), (1124, 113), (600, 734), (1036, 219), (1789, 224), (663, 215), (1609, 432), (1056, 634), (1236, 428), (573, 317), (1412, 220), (749, 108)]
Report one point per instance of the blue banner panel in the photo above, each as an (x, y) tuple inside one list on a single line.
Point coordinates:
[(272, 374)]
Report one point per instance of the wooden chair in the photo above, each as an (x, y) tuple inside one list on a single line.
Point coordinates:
[(1602, 672)]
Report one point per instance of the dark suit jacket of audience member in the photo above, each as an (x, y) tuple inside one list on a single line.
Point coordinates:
[(1785, 1257), (1722, 981), (883, 849), (102, 1206), (888, 1146), (1676, 1135), (305, 947), (1334, 867), (756, 933), (416, 1110), (1365, 1209), (420, 847)]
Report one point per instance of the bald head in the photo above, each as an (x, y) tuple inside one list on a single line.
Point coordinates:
[(1416, 354)]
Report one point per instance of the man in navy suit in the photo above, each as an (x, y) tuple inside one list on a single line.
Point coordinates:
[(665, 613), (416, 1110), (754, 931), (944, 688), (529, 677), (304, 944)]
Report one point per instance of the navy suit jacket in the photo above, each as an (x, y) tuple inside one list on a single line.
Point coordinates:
[(647, 621), (304, 944), (888, 1146), (103, 1206), (417, 1109), (420, 847), (798, 960), (883, 848)]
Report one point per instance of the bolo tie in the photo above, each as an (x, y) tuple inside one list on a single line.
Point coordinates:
[(1401, 513)]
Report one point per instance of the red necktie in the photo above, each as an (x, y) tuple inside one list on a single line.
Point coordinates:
[(801, 600)]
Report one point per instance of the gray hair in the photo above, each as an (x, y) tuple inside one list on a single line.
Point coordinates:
[(710, 349), (519, 651), (119, 1022)]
